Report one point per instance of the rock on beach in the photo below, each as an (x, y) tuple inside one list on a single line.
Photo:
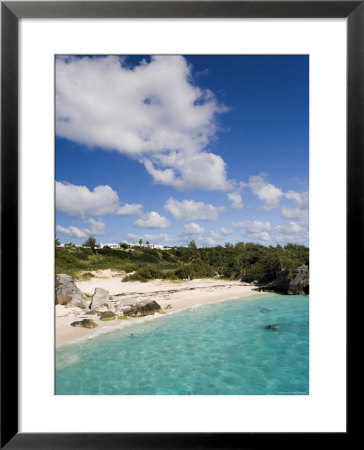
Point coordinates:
[(67, 293), (100, 299)]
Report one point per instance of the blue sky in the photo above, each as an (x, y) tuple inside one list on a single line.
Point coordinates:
[(175, 148)]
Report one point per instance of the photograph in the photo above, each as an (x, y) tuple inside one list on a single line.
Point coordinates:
[(181, 224)]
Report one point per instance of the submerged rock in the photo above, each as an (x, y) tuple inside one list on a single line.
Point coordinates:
[(85, 323), (274, 326), (141, 308), (100, 299), (265, 310), (67, 293)]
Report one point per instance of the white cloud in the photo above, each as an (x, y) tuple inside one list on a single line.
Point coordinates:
[(186, 172), (212, 238), (71, 231), (193, 229), (236, 199), (293, 195), (270, 195), (152, 220), (225, 232), (97, 227), (253, 227), (289, 228), (293, 213), (81, 202), (152, 112), (191, 210), (256, 230), (236, 196), (300, 212), (295, 231), (130, 210)]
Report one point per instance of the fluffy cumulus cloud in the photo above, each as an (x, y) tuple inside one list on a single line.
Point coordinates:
[(96, 227), (152, 220), (296, 230), (236, 200), (193, 229), (152, 112), (255, 230), (289, 228), (236, 196), (71, 231), (299, 212), (81, 202), (189, 210), (267, 193)]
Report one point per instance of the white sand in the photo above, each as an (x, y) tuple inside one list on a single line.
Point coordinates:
[(179, 295)]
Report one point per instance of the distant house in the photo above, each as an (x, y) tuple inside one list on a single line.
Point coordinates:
[(158, 247), (113, 245)]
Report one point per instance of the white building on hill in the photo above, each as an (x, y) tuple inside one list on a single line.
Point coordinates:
[(114, 245)]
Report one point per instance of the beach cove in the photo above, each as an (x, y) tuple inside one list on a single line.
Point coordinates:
[(172, 296)]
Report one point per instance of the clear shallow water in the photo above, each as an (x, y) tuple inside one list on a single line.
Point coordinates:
[(218, 349)]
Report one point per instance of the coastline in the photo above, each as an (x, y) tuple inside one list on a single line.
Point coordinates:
[(178, 295)]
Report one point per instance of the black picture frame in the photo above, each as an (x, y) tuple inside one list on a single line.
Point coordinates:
[(11, 12)]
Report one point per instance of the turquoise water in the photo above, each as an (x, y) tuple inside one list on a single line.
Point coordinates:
[(218, 349)]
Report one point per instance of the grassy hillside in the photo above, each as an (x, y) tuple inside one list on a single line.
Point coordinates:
[(247, 262)]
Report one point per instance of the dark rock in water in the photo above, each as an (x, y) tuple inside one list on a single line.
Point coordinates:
[(107, 315), (265, 310), (67, 293), (142, 308), (274, 326), (85, 323), (100, 299), (296, 283)]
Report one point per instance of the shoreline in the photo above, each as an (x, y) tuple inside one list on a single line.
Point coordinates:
[(177, 295)]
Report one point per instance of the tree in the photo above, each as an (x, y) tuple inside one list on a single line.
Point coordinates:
[(192, 244), (91, 242), (58, 241), (140, 242)]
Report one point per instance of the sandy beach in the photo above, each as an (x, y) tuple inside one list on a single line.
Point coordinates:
[(173, 295)]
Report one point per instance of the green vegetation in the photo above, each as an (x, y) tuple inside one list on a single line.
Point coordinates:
[(91, 242), (245, 261)]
